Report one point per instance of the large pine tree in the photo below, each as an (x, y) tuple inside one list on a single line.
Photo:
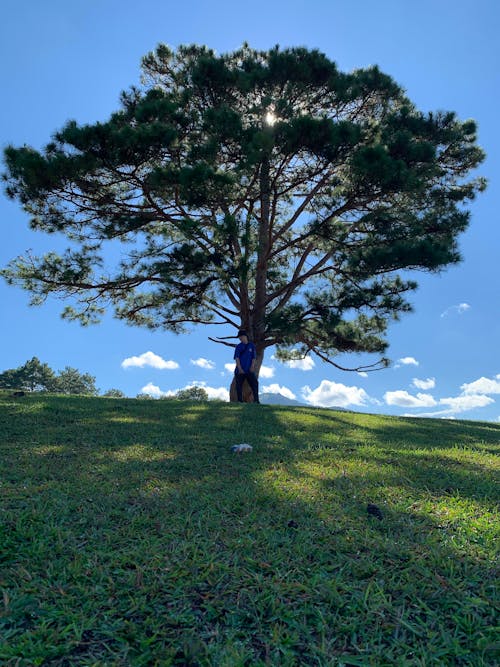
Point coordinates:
[(263, 190)]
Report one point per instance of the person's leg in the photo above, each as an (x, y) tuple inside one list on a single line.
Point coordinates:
[(240, 378), (254, 385)]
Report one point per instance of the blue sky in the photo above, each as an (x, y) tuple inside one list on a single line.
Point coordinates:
[(70, 60)]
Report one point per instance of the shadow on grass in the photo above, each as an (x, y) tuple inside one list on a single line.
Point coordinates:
[(102, 442), (170, 544)]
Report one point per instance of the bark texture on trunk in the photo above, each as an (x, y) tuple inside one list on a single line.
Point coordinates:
[(259, 307), (253, 320), (246, 392)]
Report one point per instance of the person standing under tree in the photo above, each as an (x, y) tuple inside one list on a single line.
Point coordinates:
[(245, 355)]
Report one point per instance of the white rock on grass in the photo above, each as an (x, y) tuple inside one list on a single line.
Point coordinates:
[(244, 447)]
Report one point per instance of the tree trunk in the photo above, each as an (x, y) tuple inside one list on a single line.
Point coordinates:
[(259, 308), (256, 320), (247, 393)]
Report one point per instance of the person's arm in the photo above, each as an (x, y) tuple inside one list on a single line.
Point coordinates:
[(237, 359), (252, 365)]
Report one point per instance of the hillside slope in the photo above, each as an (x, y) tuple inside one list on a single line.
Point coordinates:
[(132, 535)]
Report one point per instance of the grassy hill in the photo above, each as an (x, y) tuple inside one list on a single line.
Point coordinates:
[(130, 534)]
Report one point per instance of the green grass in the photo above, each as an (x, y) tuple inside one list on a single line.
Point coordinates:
[(131, 535)]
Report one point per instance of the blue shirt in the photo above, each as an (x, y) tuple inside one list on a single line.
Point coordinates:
[(246, 353)]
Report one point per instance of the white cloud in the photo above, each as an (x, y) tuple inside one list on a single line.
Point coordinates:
[(464, 403), (203, 363), (220, 393), (442, 414), (149, 359), (482, 386), (407, 361), (266, 372), (332, 394), (430, 383), (306, 364), (473, 395), (363, 374), (456, 405), (460, 309), (406, 400), (154, 391), (277, 389)]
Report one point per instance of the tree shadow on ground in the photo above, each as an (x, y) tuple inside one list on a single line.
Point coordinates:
[(266, 558)]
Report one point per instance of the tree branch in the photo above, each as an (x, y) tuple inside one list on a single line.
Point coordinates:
[(370, 368), (221, 341)]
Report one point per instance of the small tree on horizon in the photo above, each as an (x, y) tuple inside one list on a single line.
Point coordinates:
[(194, 393), (114, 393), (37, 376), (71, 381), (31, 376), (258, 189)]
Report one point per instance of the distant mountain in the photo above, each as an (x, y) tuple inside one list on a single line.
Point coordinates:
[(278, 399)]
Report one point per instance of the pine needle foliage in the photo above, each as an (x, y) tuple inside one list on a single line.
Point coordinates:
[(256, 189)]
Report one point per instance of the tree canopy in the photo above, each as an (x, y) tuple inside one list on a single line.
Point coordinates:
[(114, 393), (257, 189), (37, 376), (194, 393)]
